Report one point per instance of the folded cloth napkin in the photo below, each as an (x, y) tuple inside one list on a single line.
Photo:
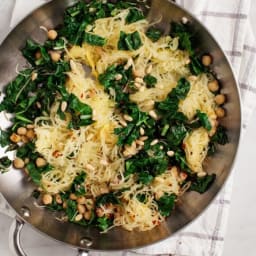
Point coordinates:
[(230, 25)]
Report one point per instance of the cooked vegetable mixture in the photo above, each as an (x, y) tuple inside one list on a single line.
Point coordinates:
[(112, 119)]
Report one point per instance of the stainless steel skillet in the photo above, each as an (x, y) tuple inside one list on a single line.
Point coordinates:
[(17, 190)]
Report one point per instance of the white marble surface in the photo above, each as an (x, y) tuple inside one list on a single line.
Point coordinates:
[(241, 230)]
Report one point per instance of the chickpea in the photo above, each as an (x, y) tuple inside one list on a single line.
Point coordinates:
[(220, 99), (213, 86), (21, 131), (15, 138), (38, 55), (72, 196), (220, 112), (81, 200), (87, 215), (52, 34), (40, 162), (206, 60), (24, 139), (30, 134), (47, 199), (81, 208), (58, 199), (18, 163), (99, 212), (64, 205), (55, 56)]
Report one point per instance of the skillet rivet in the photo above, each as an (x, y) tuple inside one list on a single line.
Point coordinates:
[(85, 242), (25, 211)]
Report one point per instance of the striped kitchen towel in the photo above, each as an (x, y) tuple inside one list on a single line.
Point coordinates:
[(228, 21)]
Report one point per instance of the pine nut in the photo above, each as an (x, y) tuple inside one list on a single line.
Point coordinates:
[(153, 114), (143, 138), (201, 174), (139, 80), (118, 77), (140, 142), (128, 64), (90, 167), (127, 118), (149, 69), (34, 76), (170, 153), (63, 106), (154, 142), (123, 123), (78, 217), (142, 131), (137, 85)]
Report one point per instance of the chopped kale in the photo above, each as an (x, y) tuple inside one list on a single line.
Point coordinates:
[(5, 163), (93, 39), (134, 15), (130, 41), (203, 118), (106, 199), (202, 184), (150, 81), (153, 34), (166, 204)]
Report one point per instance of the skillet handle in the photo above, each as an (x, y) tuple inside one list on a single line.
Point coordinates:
[(14, 237), (15, 243), (82, 253)]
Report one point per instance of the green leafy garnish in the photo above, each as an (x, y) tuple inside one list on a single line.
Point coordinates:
[(93, 39), (130, 41), (36, 173), (201, 185), (196, 67), (134, 15), (203, 118), (106, 199), (166, 204), (182, 31), (150, 81), (78, 186), (5, 163), (71, 209), (81, 113), (103, 223), (153, 34)]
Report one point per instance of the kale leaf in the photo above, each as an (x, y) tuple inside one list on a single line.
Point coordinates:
[(203, 118), (202, 184), (150, 81), (78, 186), (182, 31), (93, 39), (103, 223), (5, 163), (81, 113), (153, 34), (106, 199), (130, 41), (134, 15), (166, 204)]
